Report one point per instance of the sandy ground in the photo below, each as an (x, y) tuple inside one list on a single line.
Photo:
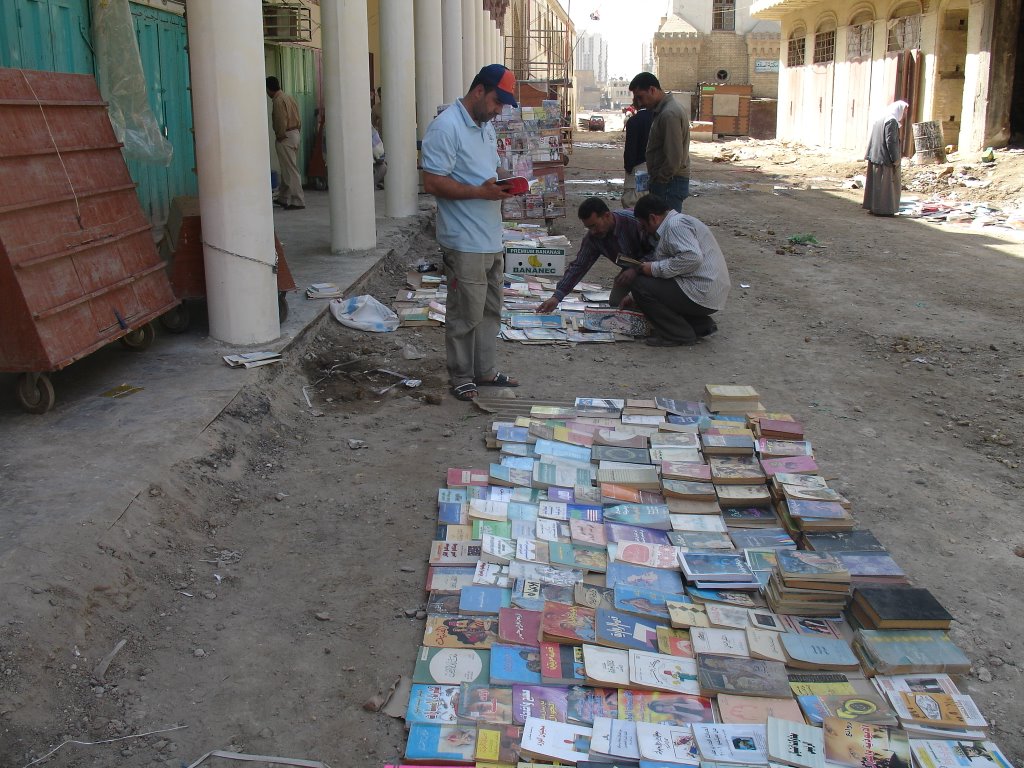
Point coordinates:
[(267, 586)]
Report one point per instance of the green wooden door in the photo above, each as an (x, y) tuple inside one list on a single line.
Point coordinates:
[(296, 68), (162, 38), (51, 35)]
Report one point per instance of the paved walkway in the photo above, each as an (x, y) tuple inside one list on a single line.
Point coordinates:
[(71, 472)]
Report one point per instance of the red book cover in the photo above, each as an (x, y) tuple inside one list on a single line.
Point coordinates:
[(460, 478), (519, 627)]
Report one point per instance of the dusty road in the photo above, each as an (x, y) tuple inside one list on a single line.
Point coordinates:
[(268, 586)]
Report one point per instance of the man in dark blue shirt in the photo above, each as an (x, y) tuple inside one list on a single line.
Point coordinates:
[(634, 156), (612, 234)]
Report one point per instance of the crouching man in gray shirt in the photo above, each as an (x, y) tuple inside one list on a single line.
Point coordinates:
[(685, 283)]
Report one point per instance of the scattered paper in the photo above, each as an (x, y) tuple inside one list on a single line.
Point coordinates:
[(252, 359)]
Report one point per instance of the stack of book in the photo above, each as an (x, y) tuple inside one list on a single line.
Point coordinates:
[(808, 584), (596, 597), (738, 399)]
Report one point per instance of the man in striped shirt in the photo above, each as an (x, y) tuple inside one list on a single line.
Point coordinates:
[(685, 283)]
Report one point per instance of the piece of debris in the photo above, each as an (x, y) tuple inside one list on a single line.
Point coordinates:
[(355, 445), (322, 616)]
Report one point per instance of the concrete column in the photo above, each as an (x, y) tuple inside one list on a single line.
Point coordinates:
[(398, 79), (451, 47), (469, 67), (230, 116), (481, 33), (346, 84), (429, 65)]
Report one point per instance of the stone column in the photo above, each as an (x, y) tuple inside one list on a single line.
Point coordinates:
[(398, 79), (469, 67), (451, 46), (233, 167)]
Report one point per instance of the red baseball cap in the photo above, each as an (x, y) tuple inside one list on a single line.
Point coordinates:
[(500, 78)]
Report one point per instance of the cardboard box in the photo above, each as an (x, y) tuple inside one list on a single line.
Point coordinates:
[(531, 260)]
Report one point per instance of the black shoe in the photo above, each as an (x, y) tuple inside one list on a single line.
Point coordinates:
[(709, 332), (294, 207), (280, 203), (658, 341)]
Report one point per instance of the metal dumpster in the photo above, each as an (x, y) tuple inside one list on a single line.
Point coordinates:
[(78, 266)]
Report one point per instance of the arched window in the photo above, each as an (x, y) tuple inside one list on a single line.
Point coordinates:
[(861, 38), (723, 15), (796, 49), (905, 28), (825, 42)]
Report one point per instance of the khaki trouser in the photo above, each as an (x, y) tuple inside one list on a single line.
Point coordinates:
[(473, 316), (290, 191)]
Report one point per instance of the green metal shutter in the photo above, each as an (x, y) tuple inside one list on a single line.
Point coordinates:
[(296, 68), (51, 35), (162, 38)]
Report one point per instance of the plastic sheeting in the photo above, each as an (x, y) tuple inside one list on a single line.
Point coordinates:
[(122, 83)]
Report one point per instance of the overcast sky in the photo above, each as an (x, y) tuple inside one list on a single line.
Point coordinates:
[(625, 24)]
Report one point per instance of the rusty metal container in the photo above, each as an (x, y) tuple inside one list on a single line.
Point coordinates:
[(78, 266)]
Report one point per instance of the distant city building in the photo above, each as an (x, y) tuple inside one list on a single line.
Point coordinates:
[(717, 41), (592, 54), (616, 94)]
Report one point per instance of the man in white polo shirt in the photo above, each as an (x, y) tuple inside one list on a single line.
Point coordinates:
[(459, 156), (684, 283)]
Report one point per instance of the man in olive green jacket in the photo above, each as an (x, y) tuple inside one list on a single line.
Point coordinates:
[(668, 147)]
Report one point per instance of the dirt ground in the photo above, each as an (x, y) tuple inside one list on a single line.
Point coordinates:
[(269, 586)]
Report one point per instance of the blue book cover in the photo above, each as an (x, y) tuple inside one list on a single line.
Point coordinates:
[(528, 495), (648, 602), (452, 513), (638, 576), (592, 513), (557, 493), (513, 664), (623, 630), (530, 595), (518, 462), (432, 704), (441, 743), (643, 515), (621, 532), (510, 434), (486, 600), (562, 450), (818, 652)]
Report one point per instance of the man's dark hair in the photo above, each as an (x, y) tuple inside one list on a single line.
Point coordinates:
[(590, 206), (643, 81), (487, 88), (273, 84), (649, 204)]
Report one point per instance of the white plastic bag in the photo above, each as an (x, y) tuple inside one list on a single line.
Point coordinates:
[(364, 313)]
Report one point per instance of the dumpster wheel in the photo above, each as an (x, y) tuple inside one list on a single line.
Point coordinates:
[(139, 339), (35, 392), (176, 320)]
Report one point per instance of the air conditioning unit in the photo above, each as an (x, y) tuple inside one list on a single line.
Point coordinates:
[(287, 23)]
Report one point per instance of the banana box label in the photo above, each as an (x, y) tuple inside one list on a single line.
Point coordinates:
[(531, 260)]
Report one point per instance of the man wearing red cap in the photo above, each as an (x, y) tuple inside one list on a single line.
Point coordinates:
[(459, 156)]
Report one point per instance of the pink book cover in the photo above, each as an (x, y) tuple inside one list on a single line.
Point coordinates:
[(519, 627), (794, 464)]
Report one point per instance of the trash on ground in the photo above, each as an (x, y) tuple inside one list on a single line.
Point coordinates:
[(252, 359), (122, 390), (323, 291), (364, 313)]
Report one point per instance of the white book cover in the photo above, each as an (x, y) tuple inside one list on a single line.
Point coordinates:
[(725, 642), (728, 616), (553, 510), (662, 672), (765, 644), (746, 744), (608, 666), (665, 743), (492, 575), (565, 742), (674, 453), (488, 509), (936, 753), (698, 523), (497, 549), (614, 738), (531, 551), (547, 530), (795, 744)]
